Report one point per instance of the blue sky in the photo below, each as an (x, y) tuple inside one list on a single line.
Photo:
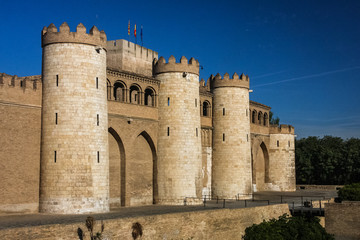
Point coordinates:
[(302, 57)]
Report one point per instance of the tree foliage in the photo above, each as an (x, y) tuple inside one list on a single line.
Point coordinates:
[(327, 160), (350, 192), (286, 228), (273, 120)]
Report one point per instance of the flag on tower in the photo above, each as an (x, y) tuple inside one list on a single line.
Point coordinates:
[(135, 31), (141, 34), (129, 28)]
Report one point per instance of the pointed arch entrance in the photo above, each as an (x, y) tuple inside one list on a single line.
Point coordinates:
[(142, 171), (117, 170), (260, 161)]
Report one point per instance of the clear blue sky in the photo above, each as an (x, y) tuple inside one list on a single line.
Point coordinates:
[(303, 57)]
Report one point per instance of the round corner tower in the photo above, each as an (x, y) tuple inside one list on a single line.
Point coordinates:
[(74, 146), (179, 137), (282, 148), (231, 168)]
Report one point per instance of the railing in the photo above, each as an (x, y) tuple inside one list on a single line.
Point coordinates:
[(297, 204)]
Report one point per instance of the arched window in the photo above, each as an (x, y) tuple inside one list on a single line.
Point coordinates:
[(206, 109), (135, 94), (266, 118), (260, 116), (149, 97), (108, 89), (120, 91), (253, 117)]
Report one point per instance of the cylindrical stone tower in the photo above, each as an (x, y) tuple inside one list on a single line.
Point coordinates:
[(231, 168), (282, 158), (74, 146), (179, 137)]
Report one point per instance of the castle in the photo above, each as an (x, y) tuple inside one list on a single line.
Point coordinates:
[(109, 124)]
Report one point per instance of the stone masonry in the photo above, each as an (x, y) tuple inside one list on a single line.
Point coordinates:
[(179, 140), (231, 139), (109, 124), (74, 156)]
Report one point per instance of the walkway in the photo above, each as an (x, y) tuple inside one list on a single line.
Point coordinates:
[(260, 199)]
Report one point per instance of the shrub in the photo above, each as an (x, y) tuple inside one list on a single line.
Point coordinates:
[(350, 192), (288, 228)]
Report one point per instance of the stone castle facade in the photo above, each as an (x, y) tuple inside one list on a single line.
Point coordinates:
[(109, 124)]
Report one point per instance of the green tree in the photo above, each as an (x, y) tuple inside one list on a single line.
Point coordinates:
[(330, 160), (272, 120), (288, 228), (350, 192)]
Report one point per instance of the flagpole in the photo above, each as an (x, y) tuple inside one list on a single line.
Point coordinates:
[(141, 33), (129, 30)]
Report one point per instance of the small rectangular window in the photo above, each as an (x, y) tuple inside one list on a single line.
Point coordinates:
[(289, 143), (57, 80), (247, 137), (98, 156), (223, 111), (277, 143), (97, 119), (196, 132), (56, 118), (223, 137), (246, 112), (195, 102), (55, 156), (168, 101), (168, 131), (97, 82)]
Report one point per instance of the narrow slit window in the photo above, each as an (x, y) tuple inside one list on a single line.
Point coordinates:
[(56, 118), (98, 156), (97, 119), (97, 82), (223, 111), (55, 156), (168, 131), (195, 102), (196, 132), (247, 137), (246, 112), (277, 143), (289, 143), (223, 137), (168, 101), (57, 80)]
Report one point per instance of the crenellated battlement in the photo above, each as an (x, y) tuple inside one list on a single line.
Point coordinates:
[(204, 86), (282, 129), (132, 49), (226, 81), (30, 82), (51, 35), (161, 66)]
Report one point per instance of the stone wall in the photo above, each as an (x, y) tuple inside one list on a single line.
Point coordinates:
[(127, 56), (74, 150), (231, 142), (343, 220), (133, 158), (282, 162), (179, 142), (210, 224), (20, 130)]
